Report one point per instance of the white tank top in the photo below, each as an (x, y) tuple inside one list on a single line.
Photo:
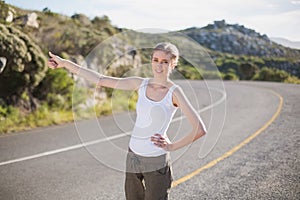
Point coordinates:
[(152, 117)]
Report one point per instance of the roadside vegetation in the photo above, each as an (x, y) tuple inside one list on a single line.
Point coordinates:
[(31, 95)]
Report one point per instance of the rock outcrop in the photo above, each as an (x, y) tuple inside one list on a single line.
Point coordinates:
[(10, 15), (2, 64), (237, 39), (31, 20)]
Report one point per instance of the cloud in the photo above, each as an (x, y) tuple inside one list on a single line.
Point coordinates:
[(284, 25), (295, 2)]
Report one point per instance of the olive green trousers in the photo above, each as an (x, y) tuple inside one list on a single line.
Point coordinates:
[(147, 178)]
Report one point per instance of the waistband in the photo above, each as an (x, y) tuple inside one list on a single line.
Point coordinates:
[(153, 159)]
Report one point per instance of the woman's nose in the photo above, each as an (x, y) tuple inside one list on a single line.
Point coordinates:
[(159, 64)]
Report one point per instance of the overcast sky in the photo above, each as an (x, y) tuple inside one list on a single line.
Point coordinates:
[(275, 18)]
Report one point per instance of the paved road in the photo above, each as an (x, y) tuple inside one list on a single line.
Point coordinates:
[(265, 168)]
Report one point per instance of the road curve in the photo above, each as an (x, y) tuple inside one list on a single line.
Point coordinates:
[(267, 167)]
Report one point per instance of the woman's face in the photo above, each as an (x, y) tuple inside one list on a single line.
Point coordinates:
[(161, 63)]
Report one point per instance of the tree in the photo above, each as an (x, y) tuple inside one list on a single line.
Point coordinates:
[(269, 74), (56, 89), (25, 68), (247, 70)]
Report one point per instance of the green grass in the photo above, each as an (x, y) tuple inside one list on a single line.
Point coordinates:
[(13, 120)]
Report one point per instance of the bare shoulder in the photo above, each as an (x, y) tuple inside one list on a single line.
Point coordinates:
[(134, 82), (178, 90), (180, 100), (137, 80), (178, 96)]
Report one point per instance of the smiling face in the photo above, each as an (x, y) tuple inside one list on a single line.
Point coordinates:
[(162, 64)]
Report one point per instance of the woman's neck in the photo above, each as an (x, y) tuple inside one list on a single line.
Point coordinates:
[(160, 82)]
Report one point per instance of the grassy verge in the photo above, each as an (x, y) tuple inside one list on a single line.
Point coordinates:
[(13, 120)]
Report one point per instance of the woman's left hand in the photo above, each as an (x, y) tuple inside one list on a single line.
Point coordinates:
[(55, 61), (161, 142)]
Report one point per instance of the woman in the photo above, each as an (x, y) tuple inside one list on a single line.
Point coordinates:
[(148, 171)]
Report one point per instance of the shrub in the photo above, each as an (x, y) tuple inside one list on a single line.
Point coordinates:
[(247, 70), (56, 89), (26, 65), (230, 76), (276, 75)]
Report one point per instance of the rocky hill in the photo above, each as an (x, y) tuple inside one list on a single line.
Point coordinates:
[(232, 45), (239, 40)]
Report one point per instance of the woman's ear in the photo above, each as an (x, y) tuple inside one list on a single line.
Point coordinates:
[(174, 64)]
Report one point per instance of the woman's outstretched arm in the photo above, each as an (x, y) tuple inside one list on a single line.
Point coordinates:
[(130, 83)]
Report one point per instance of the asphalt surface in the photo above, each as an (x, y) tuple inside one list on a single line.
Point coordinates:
[(265, 168)]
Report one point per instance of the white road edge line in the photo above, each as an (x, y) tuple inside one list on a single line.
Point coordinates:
[(47, 153)]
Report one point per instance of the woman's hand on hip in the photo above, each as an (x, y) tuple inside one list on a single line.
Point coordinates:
[(161, 142)]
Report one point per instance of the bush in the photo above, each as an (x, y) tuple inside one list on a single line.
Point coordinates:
[(247, 70), (189, 72), (25, 68), (56, 89), (230, 76), (276, 75)]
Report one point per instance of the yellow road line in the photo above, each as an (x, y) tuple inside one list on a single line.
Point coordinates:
[(234, 149)]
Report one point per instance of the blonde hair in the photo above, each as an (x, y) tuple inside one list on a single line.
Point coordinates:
[(168, 48)]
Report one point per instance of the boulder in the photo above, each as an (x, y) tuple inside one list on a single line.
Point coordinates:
[(31, 20), (3, 61), (10, 15)]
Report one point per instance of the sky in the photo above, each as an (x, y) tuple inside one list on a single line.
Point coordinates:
[(275, 18)]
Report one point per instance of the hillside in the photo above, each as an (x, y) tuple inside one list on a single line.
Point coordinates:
[(70, 37), (239, 40), (31, 95), (287, 43), (233, 45)]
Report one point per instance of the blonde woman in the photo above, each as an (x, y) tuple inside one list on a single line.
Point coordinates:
[(148, 170)]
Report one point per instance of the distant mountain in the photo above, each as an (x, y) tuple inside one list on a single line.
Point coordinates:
[(239, 40), (286, 42), (232, 45)]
